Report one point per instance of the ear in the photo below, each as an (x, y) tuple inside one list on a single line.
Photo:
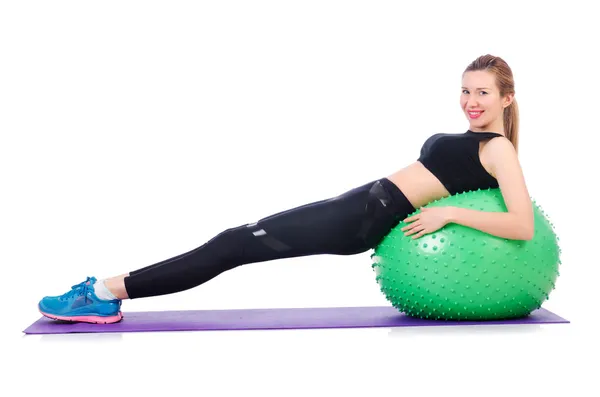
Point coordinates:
[(508, 100)]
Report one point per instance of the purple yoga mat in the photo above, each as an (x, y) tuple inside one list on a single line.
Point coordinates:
[(252, 319)]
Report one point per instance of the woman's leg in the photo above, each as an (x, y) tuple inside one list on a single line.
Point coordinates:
[(351, 223)]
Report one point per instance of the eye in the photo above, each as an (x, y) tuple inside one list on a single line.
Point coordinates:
[(480, 91)]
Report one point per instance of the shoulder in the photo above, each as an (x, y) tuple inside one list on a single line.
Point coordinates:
[(500, 146), (429, 143), (500, 152), (434, 136)]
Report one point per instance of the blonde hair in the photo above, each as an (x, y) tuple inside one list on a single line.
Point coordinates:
[(506, 84)]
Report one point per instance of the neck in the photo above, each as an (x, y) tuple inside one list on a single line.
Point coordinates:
[(483, 131), (496, 127)]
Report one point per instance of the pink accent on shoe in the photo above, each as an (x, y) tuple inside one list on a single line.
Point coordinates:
[(87, 319)]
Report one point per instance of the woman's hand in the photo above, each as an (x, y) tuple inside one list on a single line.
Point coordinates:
[(427, 221)]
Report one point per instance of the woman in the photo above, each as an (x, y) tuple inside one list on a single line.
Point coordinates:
[(483, 157)]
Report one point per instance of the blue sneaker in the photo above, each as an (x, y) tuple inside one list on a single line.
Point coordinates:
[(82, 305)]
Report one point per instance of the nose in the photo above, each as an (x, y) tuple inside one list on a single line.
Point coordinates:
[(472, 103)]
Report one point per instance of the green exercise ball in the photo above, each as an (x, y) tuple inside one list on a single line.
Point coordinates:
[(461, 273)]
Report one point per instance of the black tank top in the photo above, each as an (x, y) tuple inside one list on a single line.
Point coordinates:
[(454, 160)]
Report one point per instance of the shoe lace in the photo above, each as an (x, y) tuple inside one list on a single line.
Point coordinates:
[(79, 289)]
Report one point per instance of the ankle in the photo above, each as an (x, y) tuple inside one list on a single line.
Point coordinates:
[(116, 286)]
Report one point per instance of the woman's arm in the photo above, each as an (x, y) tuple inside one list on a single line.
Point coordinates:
[(501, 224), (517, 223)]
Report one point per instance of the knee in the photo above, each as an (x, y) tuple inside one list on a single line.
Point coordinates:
[(228, 244), (379, 216)]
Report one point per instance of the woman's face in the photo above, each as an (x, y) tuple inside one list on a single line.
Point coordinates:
[(481, 102)]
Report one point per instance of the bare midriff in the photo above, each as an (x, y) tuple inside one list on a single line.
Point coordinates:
[(421, 187), (418, 184)]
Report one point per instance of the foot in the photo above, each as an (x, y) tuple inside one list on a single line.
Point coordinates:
[(81, 304)]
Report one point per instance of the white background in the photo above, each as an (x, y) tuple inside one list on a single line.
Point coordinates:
[(133, 131)]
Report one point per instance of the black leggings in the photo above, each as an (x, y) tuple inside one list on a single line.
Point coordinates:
[(348, 224)]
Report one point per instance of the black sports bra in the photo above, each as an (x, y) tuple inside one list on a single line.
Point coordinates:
[(454, 160)]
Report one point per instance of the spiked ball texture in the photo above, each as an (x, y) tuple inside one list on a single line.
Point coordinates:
[(461, 273)]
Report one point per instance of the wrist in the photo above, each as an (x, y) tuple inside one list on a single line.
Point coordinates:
[(451, 214)]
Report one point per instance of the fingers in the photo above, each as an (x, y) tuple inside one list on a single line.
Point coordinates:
[(411, 226), (411, 218), (422, 233), (415, 229), (416, 216)]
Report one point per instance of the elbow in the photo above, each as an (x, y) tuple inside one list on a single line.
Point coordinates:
[(523, 230), (527, 232)]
